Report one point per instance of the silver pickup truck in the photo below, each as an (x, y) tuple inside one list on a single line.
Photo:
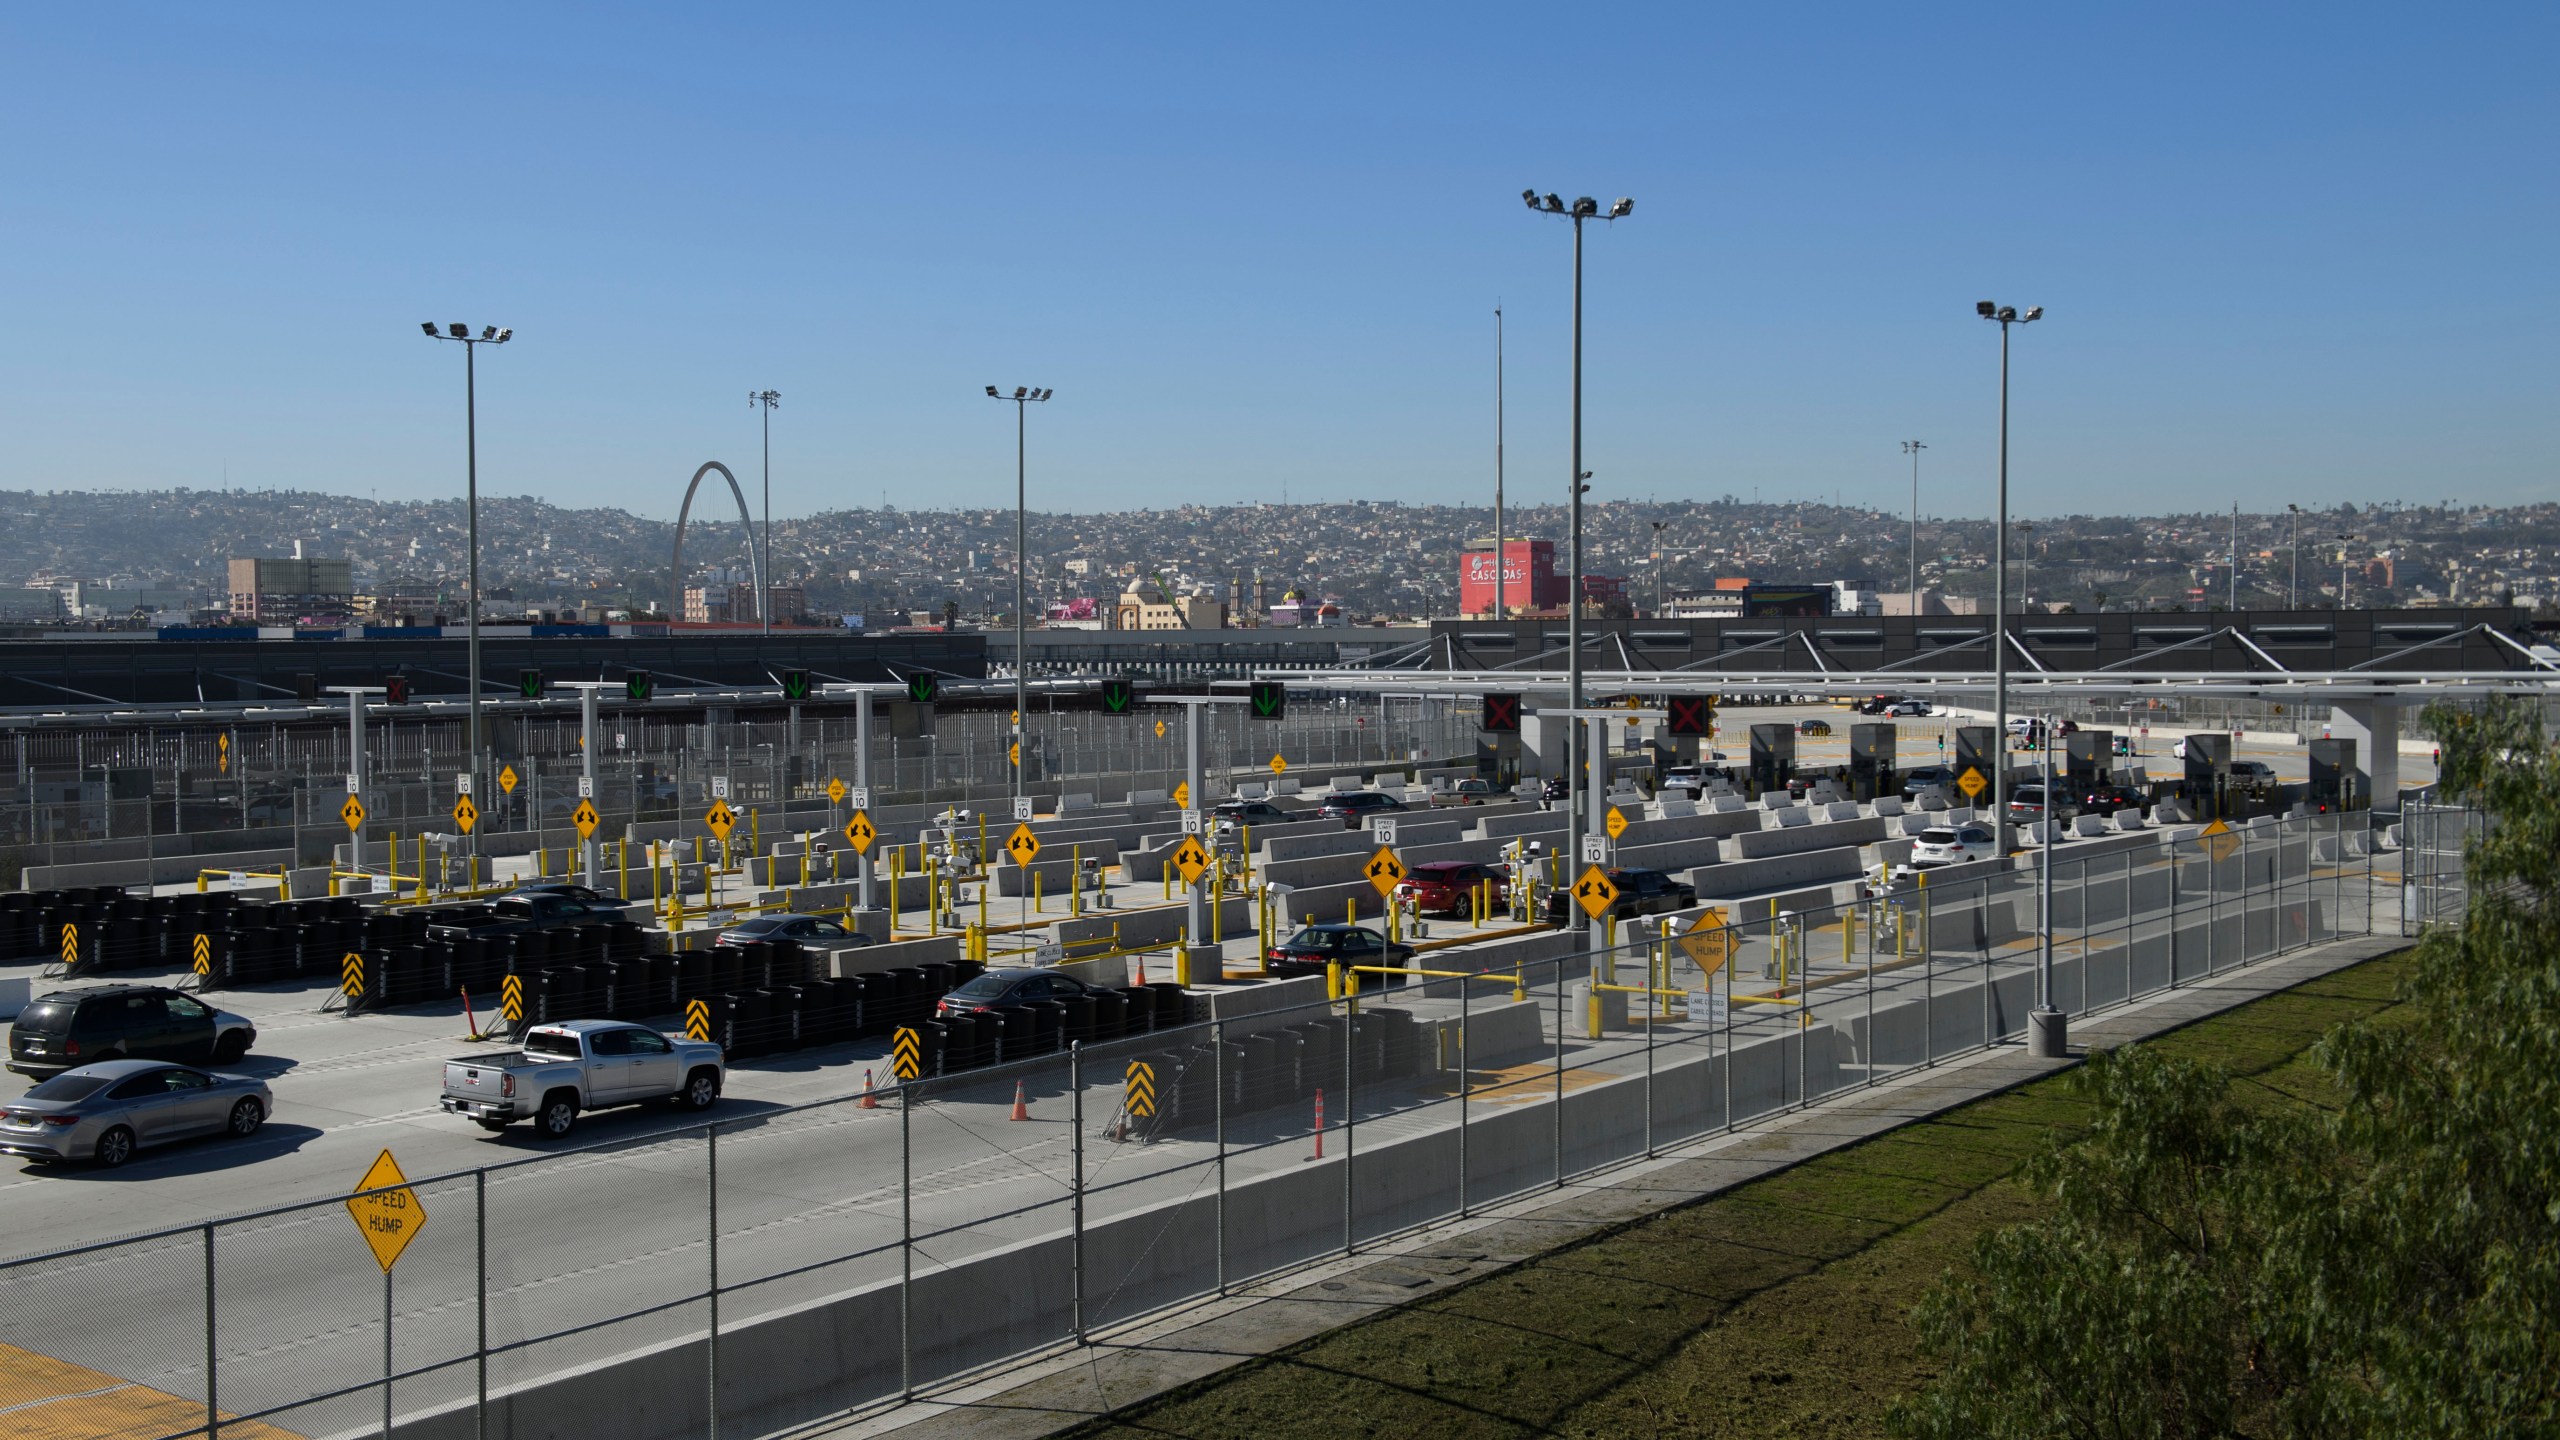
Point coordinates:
[(581, 1065)]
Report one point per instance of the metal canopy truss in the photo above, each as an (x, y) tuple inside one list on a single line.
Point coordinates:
[(2395, 687)]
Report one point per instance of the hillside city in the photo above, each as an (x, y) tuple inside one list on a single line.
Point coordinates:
[(122, 561)]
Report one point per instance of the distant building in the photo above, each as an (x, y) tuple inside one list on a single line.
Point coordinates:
[(32, 602), (1734, 599), (280, 591), (735, 604), (1529, 578), (404, 600), (1148, 607), (1932, 602)]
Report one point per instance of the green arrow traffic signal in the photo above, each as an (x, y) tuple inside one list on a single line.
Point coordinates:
[(639, 684), (795, 684), (1270, 699), (529, 684), (923, 689), (1118, 696)]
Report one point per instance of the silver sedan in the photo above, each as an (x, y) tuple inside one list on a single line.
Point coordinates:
[(106, 1111)]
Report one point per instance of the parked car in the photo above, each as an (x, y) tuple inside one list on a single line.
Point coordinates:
[(2108, 798), (1879, 704), (524, 912), (1353, 806), (1908, 708), (1556, 789), (1640, 892), (1813, 727), (580, 1065), (1449, 886), (1252, 812), (803, 929), (1316, 946), (2253, 772), (1945, 845), (568, 888), (2026, 806), (993, 989), (69, 1028), (1472, 791), (108, 1110), (1929, 777)]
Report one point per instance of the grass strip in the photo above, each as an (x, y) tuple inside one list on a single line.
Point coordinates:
[(1775, 1309)]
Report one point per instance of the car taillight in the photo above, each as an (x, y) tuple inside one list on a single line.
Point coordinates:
[(62, 1120), (70, 1047), (506, 1085)]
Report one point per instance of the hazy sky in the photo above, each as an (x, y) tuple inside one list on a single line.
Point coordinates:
[(2289, 252)]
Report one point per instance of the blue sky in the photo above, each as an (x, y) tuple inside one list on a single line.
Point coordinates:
[(2289, 252)]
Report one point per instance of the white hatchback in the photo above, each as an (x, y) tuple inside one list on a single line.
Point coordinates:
[(1949, 845)]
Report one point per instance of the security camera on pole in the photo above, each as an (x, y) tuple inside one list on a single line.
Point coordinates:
[(1584, 800)]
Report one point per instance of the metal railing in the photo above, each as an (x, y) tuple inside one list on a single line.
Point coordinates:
[(849, 1252)]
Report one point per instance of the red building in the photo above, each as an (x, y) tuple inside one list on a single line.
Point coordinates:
[(1529, 578)]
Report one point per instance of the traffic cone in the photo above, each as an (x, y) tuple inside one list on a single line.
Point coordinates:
[(870, 1101), (1021, 1106), (1142, 968)]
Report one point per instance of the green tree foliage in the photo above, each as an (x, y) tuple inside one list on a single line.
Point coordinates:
[(2386, 1268)]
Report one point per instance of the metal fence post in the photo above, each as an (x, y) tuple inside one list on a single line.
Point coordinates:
[(212, 1351), (1350, 1113), (1652, 984), (386, 1352), (1732, 955), (906, 1240), (1075, 1121), (711, 1353), (1218, 1072), (480, 1288), (1559, 1104), (1466, 1082)]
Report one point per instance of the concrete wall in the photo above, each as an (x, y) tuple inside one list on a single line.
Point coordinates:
[(1768, 844), (1738, 878), (158, 870)]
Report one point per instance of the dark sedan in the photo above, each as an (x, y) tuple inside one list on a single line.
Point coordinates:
[(1315, 947), (813, 930), (1640, 892), (107, 1111), (997, 988)]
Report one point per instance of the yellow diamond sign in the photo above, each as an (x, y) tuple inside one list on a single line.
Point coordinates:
[(353, 813), (1972, 783), (1190, 859), (1384, 870), (1616, 824), (389, 1217), (1708, 941), (465, 814), (1182, 795), (858, 832), (2218, 840), (507, 779), (835, 792), (1159, 729), (586, 819), (1022, 845), (1279, 766), (720, 818), (1595, 892)]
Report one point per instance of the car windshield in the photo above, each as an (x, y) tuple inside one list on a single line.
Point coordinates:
[(74, 1086), (46, 1017), (551, 1042), (512, 909)]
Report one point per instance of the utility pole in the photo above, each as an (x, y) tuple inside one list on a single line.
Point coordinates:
[(2235, 558), (766, 400), (2004, 316), (1501, 611), (2293, 552), (489, 335), (1023, 398), (1913, 448)]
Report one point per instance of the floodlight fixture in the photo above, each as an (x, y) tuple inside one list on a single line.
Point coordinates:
[(1621, 208), (458, 330), (1985, 309), (1529, 198), (429, 326), (2034, 312), (488, 332), (991, 393)]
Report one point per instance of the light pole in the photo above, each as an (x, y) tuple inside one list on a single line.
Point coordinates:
[(489, 335), (1585, 805), (1500, 610), (766, 400), (2004, 316), (1023, 397), (2293, 551), (1658, 527), (2343, 542), (1913, 448)]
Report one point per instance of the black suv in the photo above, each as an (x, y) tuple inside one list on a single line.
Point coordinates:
[(1252, 812), (70, 1028), (1351, 806), (1317, 946), (523, 912), (1640, 892)]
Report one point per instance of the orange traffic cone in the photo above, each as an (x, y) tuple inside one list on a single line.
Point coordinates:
[(1021, 1106), (1142, 969), (870, 1101)]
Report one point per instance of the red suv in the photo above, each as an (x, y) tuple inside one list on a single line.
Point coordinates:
[(1449, 886)]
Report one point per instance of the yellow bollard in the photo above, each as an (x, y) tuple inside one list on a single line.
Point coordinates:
[(201, 887), (932, 897), (755, 835), (1039, 895), (1333, 979), (1351, 910), (897, 873), (983, 888), (1075, 881), (622, 862), (1182, 959), (657, 906), (982, 838)]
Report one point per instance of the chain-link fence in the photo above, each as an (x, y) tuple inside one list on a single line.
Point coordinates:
[(850, 1252)]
